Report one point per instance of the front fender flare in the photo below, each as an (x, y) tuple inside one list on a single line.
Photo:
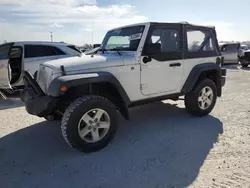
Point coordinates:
[(86, 78)]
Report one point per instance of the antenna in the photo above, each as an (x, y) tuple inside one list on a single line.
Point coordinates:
[(51, 36)]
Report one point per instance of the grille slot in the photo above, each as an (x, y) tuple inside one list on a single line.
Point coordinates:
[(247, 56)]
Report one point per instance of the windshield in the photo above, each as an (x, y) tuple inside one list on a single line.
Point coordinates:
[(244, 47), (125, 39)]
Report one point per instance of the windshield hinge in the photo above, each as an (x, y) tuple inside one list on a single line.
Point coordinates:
[(143, 86), (63, 70)]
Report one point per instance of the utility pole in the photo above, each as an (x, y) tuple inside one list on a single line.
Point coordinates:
[(92, 33), (92, 38), (51, 36), (1, 31)]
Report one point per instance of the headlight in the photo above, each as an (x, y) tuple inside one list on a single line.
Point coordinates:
[(44, 77)]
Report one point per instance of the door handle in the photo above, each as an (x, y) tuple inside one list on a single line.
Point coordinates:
[(175, 65)]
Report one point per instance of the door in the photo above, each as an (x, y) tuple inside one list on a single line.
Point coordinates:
[(230, 53), (161, 71), (37, 54), (5, 71)]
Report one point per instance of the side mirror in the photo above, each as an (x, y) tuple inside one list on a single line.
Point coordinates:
[(96, 45), (152, 48)]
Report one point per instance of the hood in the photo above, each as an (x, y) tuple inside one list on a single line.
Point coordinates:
[(247, 51), (85, 62)]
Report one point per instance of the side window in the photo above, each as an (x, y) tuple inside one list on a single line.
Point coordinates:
[(41, 51), (198, 40), (200, 43), (74, 48), (231, 47), (16, 52), (4, 50), (168, 38)]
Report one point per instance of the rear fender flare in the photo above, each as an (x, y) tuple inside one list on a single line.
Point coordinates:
[(197, 71)]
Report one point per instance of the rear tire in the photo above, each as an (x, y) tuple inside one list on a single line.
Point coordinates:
[(89, 124), (201, 101), (244, 63)]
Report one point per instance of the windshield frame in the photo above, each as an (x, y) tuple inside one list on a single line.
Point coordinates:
[(120, 48)]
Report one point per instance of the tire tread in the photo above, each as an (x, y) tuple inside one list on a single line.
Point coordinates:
[(79, 101)]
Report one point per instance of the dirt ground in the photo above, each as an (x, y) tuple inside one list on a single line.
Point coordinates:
[(161, 146)]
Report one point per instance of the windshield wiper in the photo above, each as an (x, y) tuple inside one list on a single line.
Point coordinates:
[(117, 50), (102, 50), (111, 49)]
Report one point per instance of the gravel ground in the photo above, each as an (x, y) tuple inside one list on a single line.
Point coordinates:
[(162, 146)]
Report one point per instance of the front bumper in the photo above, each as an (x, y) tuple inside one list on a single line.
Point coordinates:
[(36, 102), (223, 81), (223, 76)]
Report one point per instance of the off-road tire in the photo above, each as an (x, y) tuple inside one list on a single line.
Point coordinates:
[(54, 117), (191, 99), (73, 114), (244, 65)]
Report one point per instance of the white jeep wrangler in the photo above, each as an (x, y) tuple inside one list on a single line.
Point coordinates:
[(135, 64)]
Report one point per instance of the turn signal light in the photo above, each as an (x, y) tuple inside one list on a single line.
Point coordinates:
[(63, 88)]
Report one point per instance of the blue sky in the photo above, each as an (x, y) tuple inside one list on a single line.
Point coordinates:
[(74, 20)]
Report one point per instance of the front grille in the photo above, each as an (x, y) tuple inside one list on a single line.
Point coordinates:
[(247, 56)]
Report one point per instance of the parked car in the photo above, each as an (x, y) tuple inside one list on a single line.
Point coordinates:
[(242, 49), (92, 51), (245, 58), (27, 56), (149, 62), (230, 53)]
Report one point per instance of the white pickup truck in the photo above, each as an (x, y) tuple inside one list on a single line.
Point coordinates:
[(136, 64)]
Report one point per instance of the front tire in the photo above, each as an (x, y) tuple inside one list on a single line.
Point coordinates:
[(89, 124), (201, 101), (244, 63), (53, 117)]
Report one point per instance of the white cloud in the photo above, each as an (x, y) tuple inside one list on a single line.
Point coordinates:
[(73, 17), (56, 25), (223, 30), (59, 2)]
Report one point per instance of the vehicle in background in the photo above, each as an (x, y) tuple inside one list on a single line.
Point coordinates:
[(243, 47), (27, 56), (96, 45), (230, 53), (92, 51), (245, 58), (241, 51)]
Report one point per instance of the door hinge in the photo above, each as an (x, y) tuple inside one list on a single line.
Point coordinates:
[(143, 86)]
